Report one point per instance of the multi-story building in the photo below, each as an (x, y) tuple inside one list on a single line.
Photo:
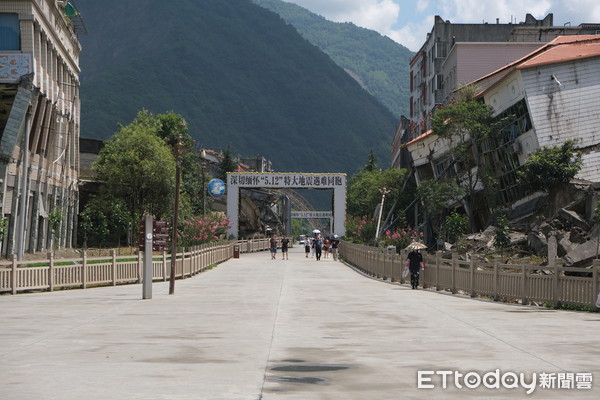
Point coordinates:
[(39, 124), (545, 98), (458, 53)]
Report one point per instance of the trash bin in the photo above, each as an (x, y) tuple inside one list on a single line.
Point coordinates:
[(236, 251)]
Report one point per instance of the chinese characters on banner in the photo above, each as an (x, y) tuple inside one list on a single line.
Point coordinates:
[(286, 180)]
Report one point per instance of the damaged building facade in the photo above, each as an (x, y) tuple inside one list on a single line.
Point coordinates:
[(39, 124), (549, 97), (457, 53)]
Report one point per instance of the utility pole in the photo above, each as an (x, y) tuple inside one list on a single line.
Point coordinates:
[(178, 148)]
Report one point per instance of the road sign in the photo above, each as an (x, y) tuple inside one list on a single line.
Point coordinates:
[(160, 235)]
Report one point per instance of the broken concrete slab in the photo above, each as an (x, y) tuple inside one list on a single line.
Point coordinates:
[(538, 242), (582, 255), (573, 219)]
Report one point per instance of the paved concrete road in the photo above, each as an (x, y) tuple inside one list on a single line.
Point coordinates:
[(254, 328)]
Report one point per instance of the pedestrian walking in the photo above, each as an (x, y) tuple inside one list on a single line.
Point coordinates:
[(317, 244), (326, 247), (307, 247), (415, 264), (273, 247), (334, 247), (284, 248)]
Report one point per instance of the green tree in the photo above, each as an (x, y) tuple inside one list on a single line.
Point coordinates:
[(455, 226), (137, 166), (371, 164), (364, 191), (54, 219), (462, 124), (435, 197), (227, 164), (501, 233), (550, 168)]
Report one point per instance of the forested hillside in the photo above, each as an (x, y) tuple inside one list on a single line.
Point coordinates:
[(237, 73), (378, 63)]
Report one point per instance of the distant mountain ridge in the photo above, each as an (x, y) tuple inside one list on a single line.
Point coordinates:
[(237, 73), (378, 63)]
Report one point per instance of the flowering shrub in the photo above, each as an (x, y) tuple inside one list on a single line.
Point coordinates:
[(199, 230), (361, 229), (401, 238)]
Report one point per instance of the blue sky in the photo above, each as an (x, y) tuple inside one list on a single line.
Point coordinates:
[(408, 21)]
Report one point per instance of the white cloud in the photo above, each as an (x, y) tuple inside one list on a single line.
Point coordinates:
[(378, 15), (476, 11), (412, 36), (580, 11), (408, 22), (422, 5), (373, 14)]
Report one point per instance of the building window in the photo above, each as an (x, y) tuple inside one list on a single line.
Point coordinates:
[(440, 50), (439, 82), (10, 38), (515, 121), (442, 166)]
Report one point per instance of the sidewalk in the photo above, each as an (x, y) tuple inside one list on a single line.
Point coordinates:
[(255, 328)]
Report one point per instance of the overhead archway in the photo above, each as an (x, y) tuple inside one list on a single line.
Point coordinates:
[(237, 180)]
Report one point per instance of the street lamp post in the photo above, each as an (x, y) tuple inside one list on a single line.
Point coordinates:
[(383, 191)]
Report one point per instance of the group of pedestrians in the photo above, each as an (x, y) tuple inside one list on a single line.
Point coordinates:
[(322, 247), (317, 245), (285, 244)]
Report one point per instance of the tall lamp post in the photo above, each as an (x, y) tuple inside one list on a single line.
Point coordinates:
[(178, 149), (383, 191)]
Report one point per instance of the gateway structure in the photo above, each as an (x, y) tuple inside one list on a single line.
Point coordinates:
[(337, 182)]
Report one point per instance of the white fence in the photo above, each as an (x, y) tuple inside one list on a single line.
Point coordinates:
[(494, 279), (51, 274)]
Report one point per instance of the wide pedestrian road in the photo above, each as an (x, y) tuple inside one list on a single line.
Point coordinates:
[(253, 328)]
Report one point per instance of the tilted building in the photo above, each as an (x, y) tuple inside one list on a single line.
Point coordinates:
[(39, 124), (456, 53), (544, 98)]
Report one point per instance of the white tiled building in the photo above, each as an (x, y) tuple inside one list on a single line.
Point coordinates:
[(39, 112)]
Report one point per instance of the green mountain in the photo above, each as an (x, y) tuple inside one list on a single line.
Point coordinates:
[(378, 63), (237, 73)]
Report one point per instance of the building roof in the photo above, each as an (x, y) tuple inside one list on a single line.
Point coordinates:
[(561, 49), (418, 138)]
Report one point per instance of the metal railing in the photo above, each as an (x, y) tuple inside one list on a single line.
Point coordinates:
[(527, 283), (50, 273)]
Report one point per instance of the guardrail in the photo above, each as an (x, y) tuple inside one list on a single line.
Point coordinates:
[(526, 283), (105, 271)]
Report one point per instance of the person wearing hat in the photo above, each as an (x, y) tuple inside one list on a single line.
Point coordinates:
[(334, 247), (317, 243), (415, 264)]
